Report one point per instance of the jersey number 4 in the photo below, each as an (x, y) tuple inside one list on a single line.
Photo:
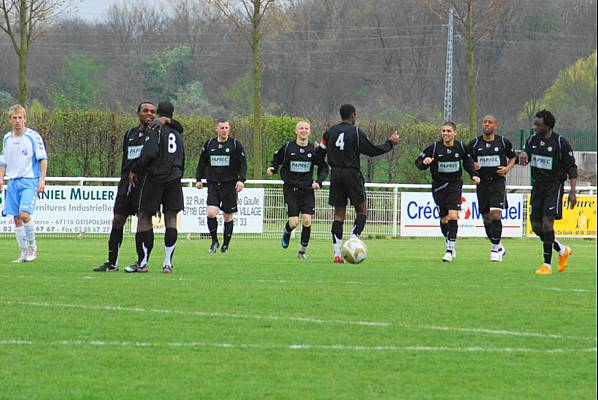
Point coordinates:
[(340, 142)]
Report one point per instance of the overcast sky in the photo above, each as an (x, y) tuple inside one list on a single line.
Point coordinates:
[(91, 10)]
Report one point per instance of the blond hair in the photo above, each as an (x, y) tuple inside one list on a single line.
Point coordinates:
[(302, 122), (16, 109)]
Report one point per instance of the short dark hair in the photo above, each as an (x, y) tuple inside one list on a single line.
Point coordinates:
[(142, 103), (165, 109), (547, 117), (221, 120), (346, 111), (451, 124)]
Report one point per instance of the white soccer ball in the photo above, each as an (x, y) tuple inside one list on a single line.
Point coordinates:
[(354, 251)]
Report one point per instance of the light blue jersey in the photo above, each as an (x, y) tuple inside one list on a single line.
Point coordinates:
[(21, 156)]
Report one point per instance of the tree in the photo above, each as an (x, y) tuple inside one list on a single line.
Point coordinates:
[(573, 95), (474, 29), (251, 22), (79, 86), (6, 100), (191, 99), (168, 71), (23, 21)]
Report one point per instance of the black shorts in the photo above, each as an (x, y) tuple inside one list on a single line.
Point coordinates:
[(447, 196), (127, 198), (153, 194), (492, 194), (298, 200), (346, 183), (546, 200), (223, 195)]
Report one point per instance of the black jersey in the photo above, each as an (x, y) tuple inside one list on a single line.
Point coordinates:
[(222, 162), (446, 166), (551, 159), (163, 155), (132, 144), (297, 164), (343, 143), (491, 155)]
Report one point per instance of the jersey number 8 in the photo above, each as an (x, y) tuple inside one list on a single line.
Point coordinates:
[(171, 143)]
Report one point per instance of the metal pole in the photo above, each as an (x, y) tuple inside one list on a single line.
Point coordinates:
[(448, 76)]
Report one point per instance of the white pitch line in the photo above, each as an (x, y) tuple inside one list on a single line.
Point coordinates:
[(498, 332), (293, 347), (501, 332), (198, 313)]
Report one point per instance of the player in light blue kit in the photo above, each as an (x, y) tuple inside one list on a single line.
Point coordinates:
[(25, 162)]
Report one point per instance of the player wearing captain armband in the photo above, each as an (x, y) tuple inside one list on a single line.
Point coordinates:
[(551, 158), (493, 157), (223, 164), (25, 162), (296, 160), (444, 158), (343, 144)]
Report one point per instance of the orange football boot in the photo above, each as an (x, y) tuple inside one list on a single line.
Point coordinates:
[(563, 259), (544, 270)]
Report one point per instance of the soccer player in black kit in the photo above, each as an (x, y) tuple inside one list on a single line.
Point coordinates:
[(296, 160), (444, 158), (551, 158), (222, 162), (342, 144), (493, 156), (127, 199), (162, 161)]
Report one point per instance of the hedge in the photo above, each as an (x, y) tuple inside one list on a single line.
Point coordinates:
[(89, 143)]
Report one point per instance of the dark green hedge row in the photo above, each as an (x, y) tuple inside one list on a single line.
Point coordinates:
[(88, 143)]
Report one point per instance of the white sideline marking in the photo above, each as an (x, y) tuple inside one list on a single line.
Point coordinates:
[(498, 332), (301, 319), (337, 347), (198, 313)]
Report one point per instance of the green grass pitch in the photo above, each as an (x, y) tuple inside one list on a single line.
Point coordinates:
[(260, 323)]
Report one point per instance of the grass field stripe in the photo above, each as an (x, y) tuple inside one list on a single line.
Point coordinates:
[(305, 282), (199, 313), (300, 319), (294, 347)]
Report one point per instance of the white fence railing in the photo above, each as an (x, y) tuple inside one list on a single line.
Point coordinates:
[(384, 205)]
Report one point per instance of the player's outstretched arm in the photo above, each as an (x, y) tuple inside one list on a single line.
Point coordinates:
[(369, 149)]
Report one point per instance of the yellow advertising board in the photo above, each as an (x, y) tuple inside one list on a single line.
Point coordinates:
[(579, 222)]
